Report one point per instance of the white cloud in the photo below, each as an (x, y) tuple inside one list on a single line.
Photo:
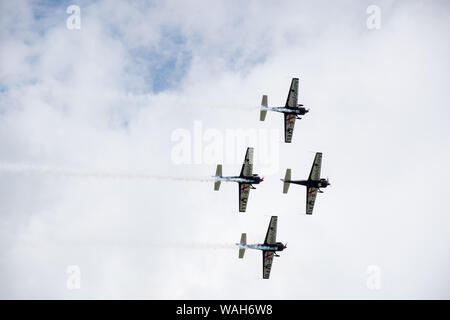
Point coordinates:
[(91, 100)]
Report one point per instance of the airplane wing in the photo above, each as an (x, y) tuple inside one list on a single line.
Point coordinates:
[(244, 191), (247, 167), (289, 122), (311, 194), (291, 101), (271, 234), (267, 263), (315, 170), (289, 119)]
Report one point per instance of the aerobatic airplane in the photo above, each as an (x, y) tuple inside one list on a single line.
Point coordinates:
[(313, 184), (269, 247), (291, 110), (246, 179)]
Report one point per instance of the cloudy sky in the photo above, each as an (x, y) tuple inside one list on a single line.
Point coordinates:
[(109, 127)]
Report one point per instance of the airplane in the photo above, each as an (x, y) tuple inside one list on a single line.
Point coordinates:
[(246, 179), (291, 110), (269, 247), (313, 184)]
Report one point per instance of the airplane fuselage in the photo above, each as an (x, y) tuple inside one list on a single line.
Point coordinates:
[(266, 247), (297, 110), (322, 183), (255, 179)]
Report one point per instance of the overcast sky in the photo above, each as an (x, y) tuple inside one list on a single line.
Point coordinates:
[(90, 116)]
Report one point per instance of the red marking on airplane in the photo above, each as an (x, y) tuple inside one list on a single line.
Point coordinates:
[(289, 118), (244, 187)]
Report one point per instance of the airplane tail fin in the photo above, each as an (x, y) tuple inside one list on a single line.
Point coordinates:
[(218, 174), (263, 111), (244, 242), (286, 183)]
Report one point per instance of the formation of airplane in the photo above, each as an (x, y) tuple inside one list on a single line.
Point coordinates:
[(291, 110), (313, 184), (269, 248), (246, 179)]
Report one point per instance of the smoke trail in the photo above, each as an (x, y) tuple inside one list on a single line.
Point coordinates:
[(229, 107), (211, 105), (31, 169), (193, 245), (119, 243), (181, 103)]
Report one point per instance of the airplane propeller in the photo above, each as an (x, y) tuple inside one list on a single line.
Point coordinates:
[(285, 245), (328, 182)]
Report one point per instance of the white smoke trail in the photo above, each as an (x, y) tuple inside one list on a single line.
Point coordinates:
[(179, 102), (229, 107), (182, 103), (41, 170), (193, 245), (128, 243)]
